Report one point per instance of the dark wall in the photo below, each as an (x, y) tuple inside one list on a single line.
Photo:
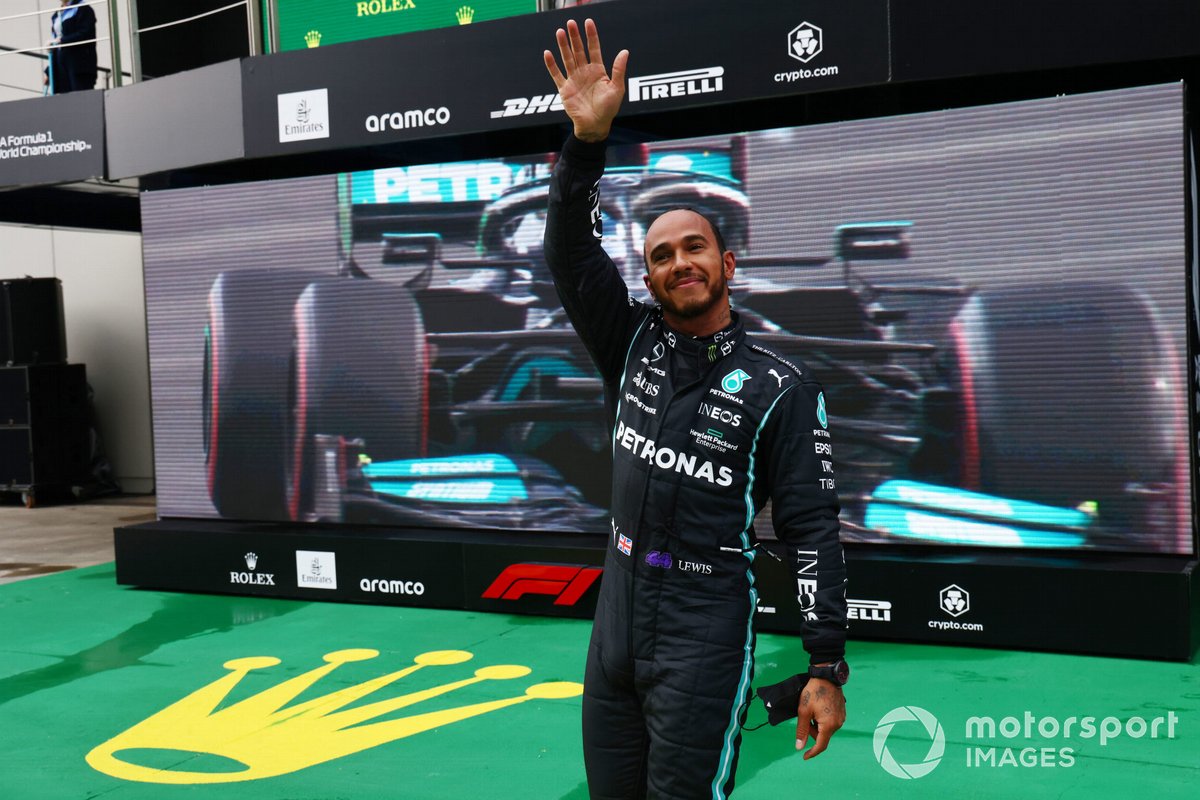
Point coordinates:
[(204, 41)]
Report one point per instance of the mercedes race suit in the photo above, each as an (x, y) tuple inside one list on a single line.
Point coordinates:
[(705, 432)]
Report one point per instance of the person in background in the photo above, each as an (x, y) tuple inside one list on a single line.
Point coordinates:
[(72, 66)]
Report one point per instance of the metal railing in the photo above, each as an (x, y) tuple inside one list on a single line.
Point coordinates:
[(257, 12), (131, 11), (107, 72), (116, 75)]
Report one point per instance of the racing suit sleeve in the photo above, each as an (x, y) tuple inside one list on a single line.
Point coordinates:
[(589, 284), (804, 511)]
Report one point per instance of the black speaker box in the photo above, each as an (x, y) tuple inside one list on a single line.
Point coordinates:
[(43, 425), (32, 330)]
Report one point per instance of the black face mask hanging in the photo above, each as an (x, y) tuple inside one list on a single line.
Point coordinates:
[(782, 699)]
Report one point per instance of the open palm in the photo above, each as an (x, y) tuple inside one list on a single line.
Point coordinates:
[(590, 97)]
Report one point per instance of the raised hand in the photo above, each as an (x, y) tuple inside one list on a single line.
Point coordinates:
[(590, 97)]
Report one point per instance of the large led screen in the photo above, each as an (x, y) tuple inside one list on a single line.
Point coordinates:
[(993, 297)]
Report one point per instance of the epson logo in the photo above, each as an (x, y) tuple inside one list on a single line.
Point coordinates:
[(538, 104), (252, 578), (720, 414), (385, 586), (413, 118), (869, 610), (677, 84)]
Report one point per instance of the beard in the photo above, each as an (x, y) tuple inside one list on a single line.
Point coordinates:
[(696, 306)]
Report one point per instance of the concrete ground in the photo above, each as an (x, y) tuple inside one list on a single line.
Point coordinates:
[(53, 538)]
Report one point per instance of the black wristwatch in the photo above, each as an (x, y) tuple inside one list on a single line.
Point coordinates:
[(836, 673)]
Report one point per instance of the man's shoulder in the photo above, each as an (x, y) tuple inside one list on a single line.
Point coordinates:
[(797, 370)]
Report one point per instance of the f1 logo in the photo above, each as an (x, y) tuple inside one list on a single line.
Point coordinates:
[(567, 582)]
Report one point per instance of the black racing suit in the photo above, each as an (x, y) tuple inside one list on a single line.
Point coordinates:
[(706, 431)]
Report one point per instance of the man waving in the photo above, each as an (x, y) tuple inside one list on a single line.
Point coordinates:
[(708, 425)]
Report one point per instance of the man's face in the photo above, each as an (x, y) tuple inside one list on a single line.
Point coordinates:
[(685, 271)]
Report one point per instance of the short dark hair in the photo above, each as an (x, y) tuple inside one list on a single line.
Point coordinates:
[(712, 223)]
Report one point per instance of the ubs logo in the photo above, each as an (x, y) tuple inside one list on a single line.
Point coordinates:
[(643, 383)]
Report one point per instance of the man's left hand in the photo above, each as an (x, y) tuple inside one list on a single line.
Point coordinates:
[(822, 712)]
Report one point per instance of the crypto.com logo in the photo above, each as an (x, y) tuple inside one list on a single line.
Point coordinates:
[(805, 42), (954, 600), (565, 582), (933, 728)]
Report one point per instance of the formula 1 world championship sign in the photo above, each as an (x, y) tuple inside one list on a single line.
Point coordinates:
[(48, 140)]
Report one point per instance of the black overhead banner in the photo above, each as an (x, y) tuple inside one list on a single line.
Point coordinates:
[(936, 39), (49, 140), (490, 76)]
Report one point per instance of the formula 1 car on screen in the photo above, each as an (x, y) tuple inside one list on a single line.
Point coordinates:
[(451, 391)]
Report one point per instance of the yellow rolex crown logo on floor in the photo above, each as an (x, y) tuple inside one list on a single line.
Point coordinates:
[(262, 738)]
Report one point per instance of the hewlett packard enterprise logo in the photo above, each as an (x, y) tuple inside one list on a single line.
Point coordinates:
[(705, 80), (304, 115)]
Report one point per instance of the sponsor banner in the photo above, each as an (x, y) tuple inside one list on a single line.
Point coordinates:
[(383, 90), (305, 24), (893, 596), (279, 561), (972, 601), (52, 139)]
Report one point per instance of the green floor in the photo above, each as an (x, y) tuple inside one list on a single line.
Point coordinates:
[(87, 667)]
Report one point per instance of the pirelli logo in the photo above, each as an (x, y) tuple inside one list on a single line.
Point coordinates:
[(869, 610), (705, 80)]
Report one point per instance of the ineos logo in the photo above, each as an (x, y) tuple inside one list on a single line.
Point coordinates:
[(720, 414)]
